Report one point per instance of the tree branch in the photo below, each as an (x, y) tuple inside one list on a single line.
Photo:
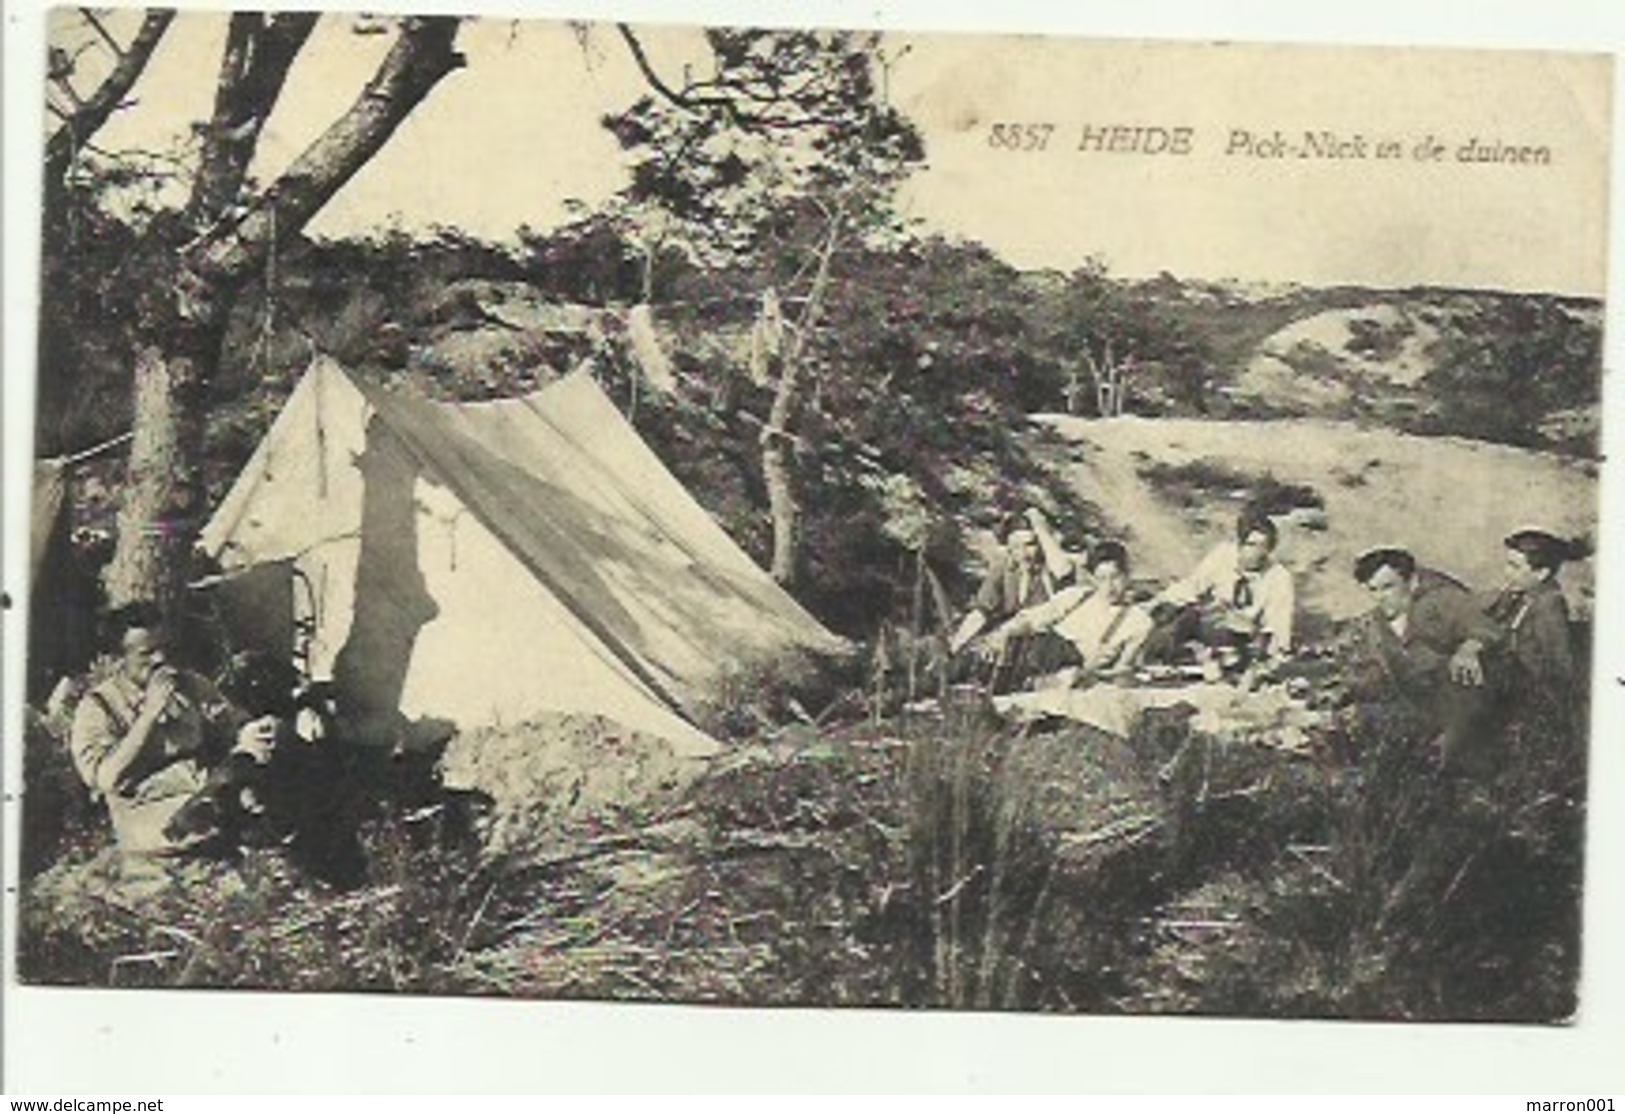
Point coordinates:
[(690, 100), (65, 83), (253, 69), (420, 58), (682, 100), (100, 105), (101, 29)]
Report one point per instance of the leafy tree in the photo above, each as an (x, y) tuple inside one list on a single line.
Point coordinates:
[(782, 159), (1136, 334), (190, 260)]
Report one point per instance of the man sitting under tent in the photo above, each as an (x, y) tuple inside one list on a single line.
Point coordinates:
[(1085, 631), (168, 754)]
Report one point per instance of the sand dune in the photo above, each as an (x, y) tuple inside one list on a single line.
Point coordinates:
[(1447, 499)]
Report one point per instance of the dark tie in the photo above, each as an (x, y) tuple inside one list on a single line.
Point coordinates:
[(1505, 606), (1243, 594)]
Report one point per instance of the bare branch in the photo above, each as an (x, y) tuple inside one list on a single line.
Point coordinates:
[(90, 17), (420, 58), (141, 158), (695, 96), (107, 98), (682, 100), (63, 83)]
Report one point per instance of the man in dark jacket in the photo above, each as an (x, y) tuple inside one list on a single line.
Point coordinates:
[(1423, 643), (1017, 578)]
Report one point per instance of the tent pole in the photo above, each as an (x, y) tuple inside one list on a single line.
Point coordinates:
[(95, 450)]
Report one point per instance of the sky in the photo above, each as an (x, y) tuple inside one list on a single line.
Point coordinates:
[(513, 137)]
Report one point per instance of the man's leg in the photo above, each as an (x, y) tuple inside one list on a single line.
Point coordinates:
[(217, 808), (1165, 645)]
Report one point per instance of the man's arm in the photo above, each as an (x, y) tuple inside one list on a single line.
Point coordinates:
[(1472, 630), (988, 602), (1057, 561), (1278, 610), (105, 755), (1199, 582), (990, 593), (969, 627), (1121, 653), (1042, 616)]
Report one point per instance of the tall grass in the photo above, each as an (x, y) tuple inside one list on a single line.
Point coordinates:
[(939, 858), (1388, 889), (1027, 852)]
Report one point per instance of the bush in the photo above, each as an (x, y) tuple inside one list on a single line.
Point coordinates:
[(59, 819), (1196, 481), (1384, 892)]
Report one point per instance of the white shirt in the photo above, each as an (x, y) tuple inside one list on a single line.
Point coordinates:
[(1267, 602), (1100, 630)]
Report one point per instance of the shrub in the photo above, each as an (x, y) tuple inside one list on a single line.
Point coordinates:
[(1191, 483)]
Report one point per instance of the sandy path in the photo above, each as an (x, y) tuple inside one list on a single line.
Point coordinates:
[(1161, 542)]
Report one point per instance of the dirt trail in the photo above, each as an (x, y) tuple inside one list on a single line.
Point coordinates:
[(1161, 542)]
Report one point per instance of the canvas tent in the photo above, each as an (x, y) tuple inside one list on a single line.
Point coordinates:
[(62, 593), (475, 564), (46, 518), (50, 643)]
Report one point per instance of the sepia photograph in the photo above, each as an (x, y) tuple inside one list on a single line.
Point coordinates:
[(789, 516)]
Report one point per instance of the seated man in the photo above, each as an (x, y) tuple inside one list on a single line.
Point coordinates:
[(1085, 631), (152, 742), (1421, 643), (1239, 599), (1016, 579), (1531, 615)]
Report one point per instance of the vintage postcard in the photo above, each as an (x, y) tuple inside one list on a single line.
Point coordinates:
[(696, 513)]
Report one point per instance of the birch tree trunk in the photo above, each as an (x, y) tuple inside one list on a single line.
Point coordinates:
[(778, 442)]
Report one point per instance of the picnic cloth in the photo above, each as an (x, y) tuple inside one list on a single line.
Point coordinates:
[(1270, 714)]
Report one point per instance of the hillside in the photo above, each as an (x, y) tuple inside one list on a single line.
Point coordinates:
[(1520, 369), (873, 848), (1173, 487)]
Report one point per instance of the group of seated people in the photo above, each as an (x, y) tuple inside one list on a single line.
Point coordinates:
[(179, 765), (1073, 618), (1050, 618), (1468, 662)]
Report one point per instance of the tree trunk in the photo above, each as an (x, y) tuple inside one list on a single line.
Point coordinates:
[(781, 499), (185, 314), (260, 51), (420, 58), (778, 443), (162, 507)]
